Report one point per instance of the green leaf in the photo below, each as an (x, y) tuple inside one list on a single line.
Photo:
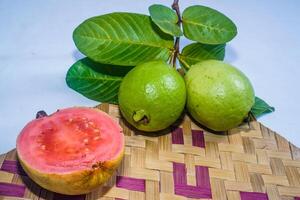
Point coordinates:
[(197, 52), (208, 26), (125, 39), (99, 82), (260, 108), (166, 19)]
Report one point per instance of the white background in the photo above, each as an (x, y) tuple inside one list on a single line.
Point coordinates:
[(36, 50)]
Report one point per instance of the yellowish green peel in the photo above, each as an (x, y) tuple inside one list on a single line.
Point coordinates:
[(152, 96), (219, 96)]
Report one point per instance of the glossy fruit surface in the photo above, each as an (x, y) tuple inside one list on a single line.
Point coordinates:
[(152, 96), (219, 96)]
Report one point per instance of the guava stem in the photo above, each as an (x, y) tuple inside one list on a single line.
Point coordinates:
[(175, 6), (41, 114)]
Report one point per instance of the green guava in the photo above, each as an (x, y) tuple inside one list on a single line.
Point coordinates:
[(219, 96), (152, 96)]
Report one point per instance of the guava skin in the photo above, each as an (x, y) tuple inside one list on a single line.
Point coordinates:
[(75, 183), (219, 96), (152, 96)]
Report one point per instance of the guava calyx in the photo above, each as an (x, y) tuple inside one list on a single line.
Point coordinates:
[(141, 116)]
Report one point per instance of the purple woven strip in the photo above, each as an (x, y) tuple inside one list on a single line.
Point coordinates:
[(192, 191), (177, 136), (57, 196), (7, 189), (297, 198), (131, 183), (12, 166), (202, 177), (179, 174), (253, 196), (202, 190), (198, 138)]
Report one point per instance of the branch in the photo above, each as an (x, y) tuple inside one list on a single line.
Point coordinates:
[(175, 6), (252, 117), (176, 52)]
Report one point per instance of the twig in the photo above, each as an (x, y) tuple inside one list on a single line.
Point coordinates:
[(252, 117), (175, 6), (184, 64), (176, 51)]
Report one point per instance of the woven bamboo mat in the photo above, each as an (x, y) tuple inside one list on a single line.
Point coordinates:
[(250, 162)]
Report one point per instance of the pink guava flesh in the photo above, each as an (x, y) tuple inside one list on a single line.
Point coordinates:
[(69, 140)]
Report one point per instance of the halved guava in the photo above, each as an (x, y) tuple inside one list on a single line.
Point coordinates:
[(72, 151)]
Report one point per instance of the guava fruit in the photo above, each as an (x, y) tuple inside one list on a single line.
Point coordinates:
[(72, 151), (219, 96), (152, 96)]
